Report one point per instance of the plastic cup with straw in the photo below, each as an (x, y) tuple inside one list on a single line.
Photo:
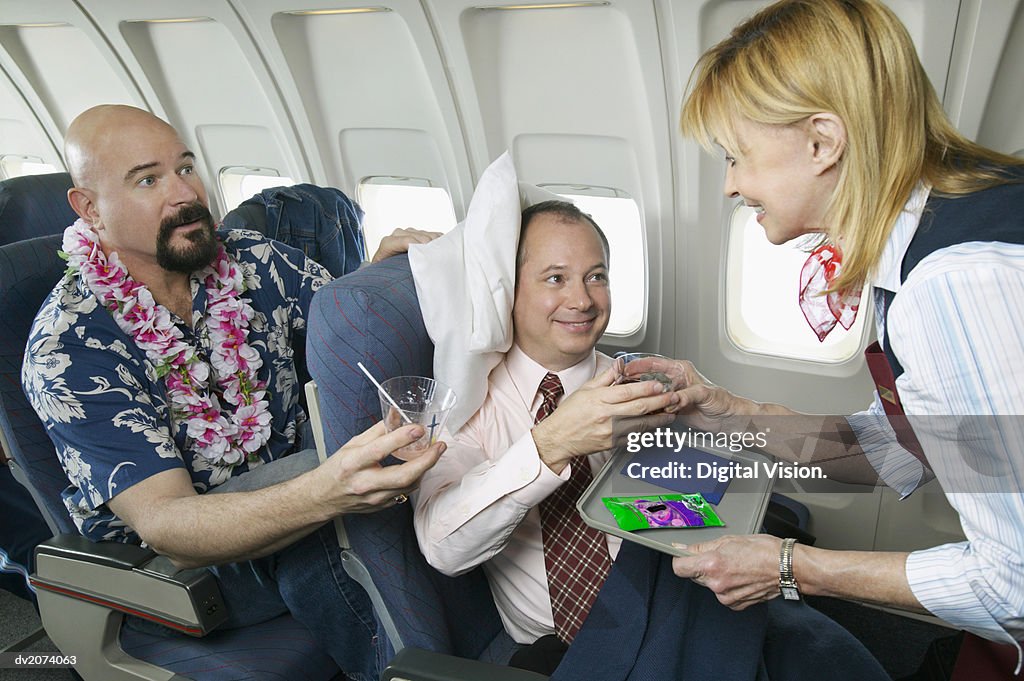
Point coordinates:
[(414, 399)]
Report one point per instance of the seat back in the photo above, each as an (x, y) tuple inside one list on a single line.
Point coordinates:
[(28, 272), (34, 205), (31, 206), (373, 316)]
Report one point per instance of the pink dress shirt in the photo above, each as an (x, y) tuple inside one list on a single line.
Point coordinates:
[(478, 505)]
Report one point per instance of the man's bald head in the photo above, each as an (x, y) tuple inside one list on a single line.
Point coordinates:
[(136, 184), (98, 130)]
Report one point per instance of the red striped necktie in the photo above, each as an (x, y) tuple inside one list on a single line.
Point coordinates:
[(575, 554)]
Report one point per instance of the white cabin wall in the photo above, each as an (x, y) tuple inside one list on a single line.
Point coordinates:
[(369, 91), (21, 133), (984, 96), (55, 65)]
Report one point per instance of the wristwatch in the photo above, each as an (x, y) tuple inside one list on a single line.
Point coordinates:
[(787, 582)]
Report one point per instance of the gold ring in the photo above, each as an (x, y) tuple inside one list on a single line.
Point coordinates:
[(401, 499)]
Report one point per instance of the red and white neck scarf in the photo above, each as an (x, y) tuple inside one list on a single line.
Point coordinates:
[(823, 312)]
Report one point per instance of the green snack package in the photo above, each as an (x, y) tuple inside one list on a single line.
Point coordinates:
[(665, 510)]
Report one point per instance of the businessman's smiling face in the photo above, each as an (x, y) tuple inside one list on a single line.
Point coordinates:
[(562, 299)]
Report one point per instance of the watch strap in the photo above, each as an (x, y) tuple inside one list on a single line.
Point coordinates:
[(787, 580)]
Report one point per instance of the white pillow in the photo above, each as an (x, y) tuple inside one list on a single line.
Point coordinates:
[(466, 281)]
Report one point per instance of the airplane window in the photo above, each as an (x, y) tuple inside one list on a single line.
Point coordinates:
[(619, 219), (238, 183), (13, 165), (394, 202), (762, 313)]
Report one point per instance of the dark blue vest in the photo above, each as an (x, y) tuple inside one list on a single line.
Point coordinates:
[(995, 214)]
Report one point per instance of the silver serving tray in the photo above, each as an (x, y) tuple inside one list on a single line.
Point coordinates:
[(742, 507)]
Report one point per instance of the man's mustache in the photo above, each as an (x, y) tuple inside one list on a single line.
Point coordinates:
[(191, 213)]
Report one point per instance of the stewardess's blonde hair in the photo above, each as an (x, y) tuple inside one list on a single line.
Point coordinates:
[(852, 58)]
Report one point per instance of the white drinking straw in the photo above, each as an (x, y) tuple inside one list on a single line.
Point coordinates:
[(384, 392)]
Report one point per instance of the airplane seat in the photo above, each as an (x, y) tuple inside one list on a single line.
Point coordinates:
[(34, 205), (247, 216), (83, 588), (24, 525), (28, 271), (787, 517), (322, 222), (440, 627)]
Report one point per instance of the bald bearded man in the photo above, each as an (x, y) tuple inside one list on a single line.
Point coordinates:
[(161, 365)]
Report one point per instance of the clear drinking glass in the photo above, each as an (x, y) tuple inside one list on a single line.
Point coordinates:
[(424, 401), (645, 367)]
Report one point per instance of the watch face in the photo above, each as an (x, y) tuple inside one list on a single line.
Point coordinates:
[(790, 593)]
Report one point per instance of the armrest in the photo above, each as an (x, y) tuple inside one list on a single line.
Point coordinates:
[(413, 664), (132, 580)]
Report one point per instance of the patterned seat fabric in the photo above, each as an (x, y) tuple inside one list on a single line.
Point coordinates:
[(373, 316)]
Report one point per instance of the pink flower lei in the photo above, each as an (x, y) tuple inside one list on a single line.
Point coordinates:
[(223, 437)]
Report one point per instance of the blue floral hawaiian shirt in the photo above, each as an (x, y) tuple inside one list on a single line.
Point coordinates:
[(105, 408)]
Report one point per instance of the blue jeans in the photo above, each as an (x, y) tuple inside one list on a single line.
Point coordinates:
[(306, 579)]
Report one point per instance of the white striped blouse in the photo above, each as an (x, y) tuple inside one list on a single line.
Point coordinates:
[(957, 327)]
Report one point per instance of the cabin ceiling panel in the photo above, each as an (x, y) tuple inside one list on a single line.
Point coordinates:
[(214, 82), (198, 61), (343, 70), (42, 55), (556, 71), (360, 72), (589, 70), (60, 64)]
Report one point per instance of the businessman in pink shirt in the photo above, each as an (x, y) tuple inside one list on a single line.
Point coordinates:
[(504, 493)]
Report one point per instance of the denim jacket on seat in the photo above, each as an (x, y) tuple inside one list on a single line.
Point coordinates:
[(321, 221)]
